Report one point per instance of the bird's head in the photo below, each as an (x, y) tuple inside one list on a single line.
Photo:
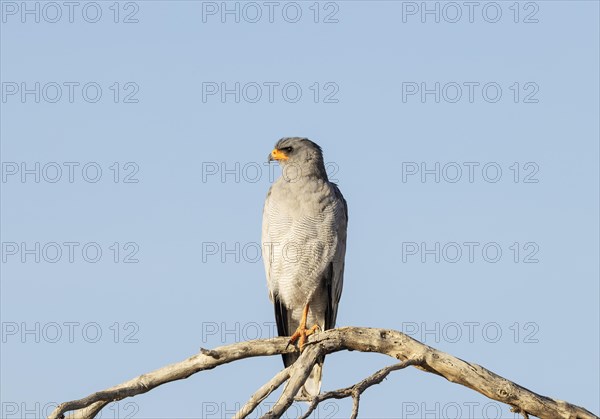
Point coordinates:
[(301, 154)]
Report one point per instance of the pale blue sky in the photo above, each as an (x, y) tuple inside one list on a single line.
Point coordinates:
[(175, 299)]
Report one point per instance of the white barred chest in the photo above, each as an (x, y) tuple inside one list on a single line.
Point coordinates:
[(298, 245)]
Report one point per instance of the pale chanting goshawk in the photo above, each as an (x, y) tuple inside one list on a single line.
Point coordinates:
[(304, 244)]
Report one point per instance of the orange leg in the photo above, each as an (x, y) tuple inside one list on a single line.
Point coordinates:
[(302, 333)]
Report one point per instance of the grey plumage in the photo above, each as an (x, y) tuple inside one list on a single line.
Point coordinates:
[(304, 243)]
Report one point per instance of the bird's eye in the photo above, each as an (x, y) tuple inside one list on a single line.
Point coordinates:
[(288, 149)]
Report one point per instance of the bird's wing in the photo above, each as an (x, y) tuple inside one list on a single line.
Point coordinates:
[(334, 276)]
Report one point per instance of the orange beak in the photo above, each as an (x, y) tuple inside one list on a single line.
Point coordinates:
[(278, 155)]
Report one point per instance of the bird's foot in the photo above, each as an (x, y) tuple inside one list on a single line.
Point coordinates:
[(301, 335)]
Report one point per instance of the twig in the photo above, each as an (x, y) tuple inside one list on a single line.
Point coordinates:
[(357, 389)]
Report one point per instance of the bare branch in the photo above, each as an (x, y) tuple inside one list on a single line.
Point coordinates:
[(263, 392), (205, 360), (357, 389), (388, 342)]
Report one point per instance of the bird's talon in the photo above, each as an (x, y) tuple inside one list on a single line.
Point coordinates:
[(301, 335), (313, 329)]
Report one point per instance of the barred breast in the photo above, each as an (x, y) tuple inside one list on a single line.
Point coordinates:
[(300, 238)]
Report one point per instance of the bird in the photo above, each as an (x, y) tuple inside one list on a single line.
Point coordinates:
[(305, 219)]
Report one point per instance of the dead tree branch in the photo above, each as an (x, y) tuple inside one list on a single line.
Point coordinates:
[(387, 342), (357, 389)]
